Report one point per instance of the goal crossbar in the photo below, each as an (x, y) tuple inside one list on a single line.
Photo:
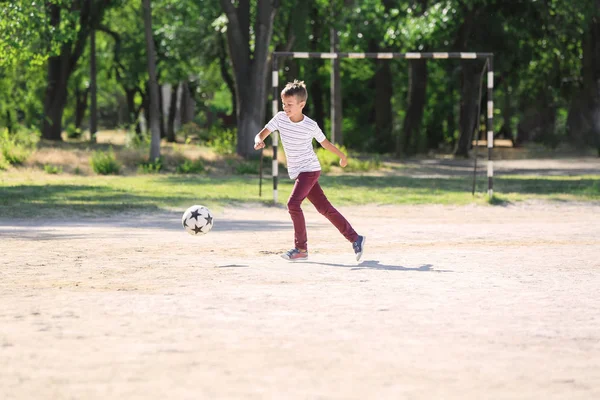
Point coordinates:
[(489, 57)]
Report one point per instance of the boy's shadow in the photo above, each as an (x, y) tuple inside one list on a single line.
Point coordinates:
[(373, 264)]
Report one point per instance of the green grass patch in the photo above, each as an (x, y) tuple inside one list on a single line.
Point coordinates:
[(251, 167), (105, 162), (518, 187), (16, 147), (356, 165), (59, 195), (327, 159), (3, 163), (191, 167), (223, 141), (53, 169), (151, 167)]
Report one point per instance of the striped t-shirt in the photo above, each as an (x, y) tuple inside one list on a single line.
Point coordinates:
[(297, 142)]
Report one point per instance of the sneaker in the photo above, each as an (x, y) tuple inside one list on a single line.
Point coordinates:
[(359, 246), (295, 255)]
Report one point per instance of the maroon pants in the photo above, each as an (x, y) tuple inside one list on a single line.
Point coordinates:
[(307, 187)]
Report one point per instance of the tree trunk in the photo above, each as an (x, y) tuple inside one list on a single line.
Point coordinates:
[(172, 114), (335, 92), (469, 93), (250, 67), (384, 117), (61, 66), (56, 95), (382, 107), (9, 121), (250, 122), (583, 121), (93, 88), (441, 127), (187, 114), (56, 89), (227, 78), (317, 106), (451, 127), (417, 89), (468, 107), (131, 110), (80, 106), (506, 130), (161, 111), (338, 21), (317, 110), (153, 85), (538, 122)]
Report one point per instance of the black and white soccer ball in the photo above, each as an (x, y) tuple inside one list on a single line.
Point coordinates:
[(197, 220)]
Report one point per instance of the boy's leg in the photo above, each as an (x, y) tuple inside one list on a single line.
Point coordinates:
[(304, 184), (322, 204)]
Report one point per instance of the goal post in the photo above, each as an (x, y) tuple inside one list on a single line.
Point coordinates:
[(489, 57)]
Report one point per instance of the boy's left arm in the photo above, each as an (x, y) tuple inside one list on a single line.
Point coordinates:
[(331, 147)]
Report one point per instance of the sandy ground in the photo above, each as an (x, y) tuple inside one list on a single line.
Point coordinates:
[(469, 302)]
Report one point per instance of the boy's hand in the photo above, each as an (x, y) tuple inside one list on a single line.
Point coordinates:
[(343, 162), (259, 145)]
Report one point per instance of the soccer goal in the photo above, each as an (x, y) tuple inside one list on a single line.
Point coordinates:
[(489, 57)]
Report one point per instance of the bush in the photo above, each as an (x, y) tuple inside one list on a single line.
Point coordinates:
[(136, 140), (356, 165), (15, 153), (105, 163), (191, 167), (53, 169), (191, 131), (16, 148), (242, 167), (73, 133), (3, 163), (247, 168), (151, 167), (223, 141), (327, 158)]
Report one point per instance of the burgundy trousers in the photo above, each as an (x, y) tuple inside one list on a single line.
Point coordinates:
[(307, 187)]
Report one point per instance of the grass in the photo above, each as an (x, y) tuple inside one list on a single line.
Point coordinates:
[(105, 163), (58, 179), (191, 167), (53, 169), (37, 194), (15, 148)]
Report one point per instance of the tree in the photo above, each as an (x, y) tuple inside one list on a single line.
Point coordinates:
[(249, 53), (81, 17), (153, 85), (583, 121), (417, 87)]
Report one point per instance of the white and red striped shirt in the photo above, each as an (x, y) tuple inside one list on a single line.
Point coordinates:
[(297, 142)]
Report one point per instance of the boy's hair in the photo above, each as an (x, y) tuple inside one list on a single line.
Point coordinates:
[(296, 88)]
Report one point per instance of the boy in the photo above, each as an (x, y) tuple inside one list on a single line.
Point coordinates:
[(297, 132)]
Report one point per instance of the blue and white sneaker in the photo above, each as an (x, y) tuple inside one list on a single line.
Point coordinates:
[(295, 255), (359, 246)]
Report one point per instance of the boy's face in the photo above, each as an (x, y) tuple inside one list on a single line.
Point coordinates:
[(291, 106)]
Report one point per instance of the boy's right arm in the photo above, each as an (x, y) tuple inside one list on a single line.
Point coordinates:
[(260, 137)]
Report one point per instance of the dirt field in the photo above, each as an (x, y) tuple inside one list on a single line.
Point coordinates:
[(465, 302)]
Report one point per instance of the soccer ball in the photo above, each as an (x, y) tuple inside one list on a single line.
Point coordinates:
[(197, 220)]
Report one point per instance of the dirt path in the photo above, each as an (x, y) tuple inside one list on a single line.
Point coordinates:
[(449, 302)]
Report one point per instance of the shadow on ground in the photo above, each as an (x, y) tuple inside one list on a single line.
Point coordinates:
[(376, 265), (55, 229)]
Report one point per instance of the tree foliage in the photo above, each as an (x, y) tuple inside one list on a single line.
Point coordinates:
[(545, 65)]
